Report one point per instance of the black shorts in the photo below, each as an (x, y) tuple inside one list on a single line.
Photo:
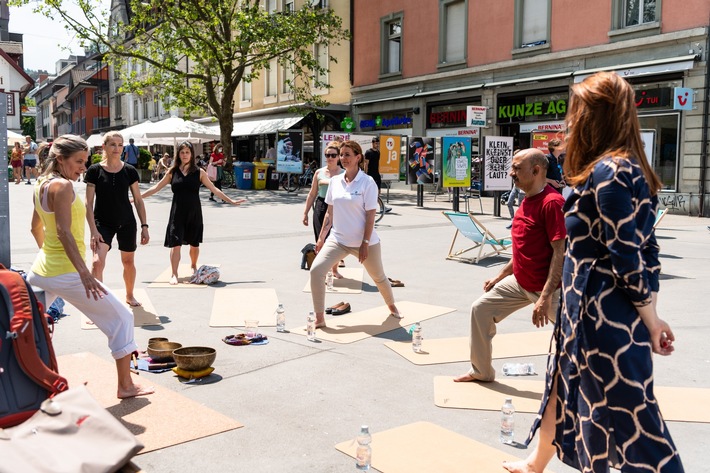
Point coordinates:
[(125, 235)]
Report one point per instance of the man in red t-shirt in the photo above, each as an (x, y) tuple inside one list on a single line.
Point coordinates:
[(532, 276)]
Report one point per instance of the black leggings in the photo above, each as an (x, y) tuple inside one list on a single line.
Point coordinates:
[(319, 212), (218, 185)]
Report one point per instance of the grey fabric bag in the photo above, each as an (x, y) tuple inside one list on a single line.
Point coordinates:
[(70, 433)]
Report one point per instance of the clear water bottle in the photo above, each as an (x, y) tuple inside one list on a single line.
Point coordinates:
[(280, 318), (329, 280), (519, 369), (417, 338), (311, 327), (507, 421), (363, 455)]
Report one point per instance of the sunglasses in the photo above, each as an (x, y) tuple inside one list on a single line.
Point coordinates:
[(331, 155)]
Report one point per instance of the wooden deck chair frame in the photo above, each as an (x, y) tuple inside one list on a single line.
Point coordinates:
[(474, 230), (659, 216)]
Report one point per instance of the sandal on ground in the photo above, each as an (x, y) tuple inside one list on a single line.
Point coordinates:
[(395, 282), (341, 310), (330, 309), (341, 264)]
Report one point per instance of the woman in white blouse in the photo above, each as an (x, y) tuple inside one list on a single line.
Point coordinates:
[(352, 201)]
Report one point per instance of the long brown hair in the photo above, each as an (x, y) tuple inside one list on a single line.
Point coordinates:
[(176, 160), (602, 121)]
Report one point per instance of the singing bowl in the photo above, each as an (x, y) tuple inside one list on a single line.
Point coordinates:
[(162, 351), (194, 358)]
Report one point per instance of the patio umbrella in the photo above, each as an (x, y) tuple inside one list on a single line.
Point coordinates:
[(136, 132), (174, 129), (94, 140), (13, 138)]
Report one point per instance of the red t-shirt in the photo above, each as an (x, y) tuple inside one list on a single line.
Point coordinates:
[(538, 221)]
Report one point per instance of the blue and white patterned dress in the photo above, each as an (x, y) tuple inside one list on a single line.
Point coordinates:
[(607, 413)]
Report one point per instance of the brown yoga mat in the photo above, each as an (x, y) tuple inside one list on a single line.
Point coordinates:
[(452, 350), (184, 275), (160, 420), (142, 316), (351, 283), (355, 326), (423, 447), (677, 403), (232, 306)]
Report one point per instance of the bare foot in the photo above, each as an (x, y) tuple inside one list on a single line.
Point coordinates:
[(521, 466), (466, 378), (131, 301), (337, 275), (173, 280), (133, 391)]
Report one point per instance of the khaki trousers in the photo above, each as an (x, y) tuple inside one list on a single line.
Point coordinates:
[(493, 306)]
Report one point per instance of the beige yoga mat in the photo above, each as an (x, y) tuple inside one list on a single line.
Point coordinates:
[(423, 447), (355, 326), (232, 306), (184, 275), (144, 315), (452, 350), (351, 283), (160, 420), (677, 403)]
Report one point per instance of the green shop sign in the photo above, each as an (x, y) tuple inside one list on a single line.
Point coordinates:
[(521, 111)]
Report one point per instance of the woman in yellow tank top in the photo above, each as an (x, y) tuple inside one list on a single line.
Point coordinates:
[(60, 269)]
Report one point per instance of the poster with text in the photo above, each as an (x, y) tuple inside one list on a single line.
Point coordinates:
[(456, 161), (289, 151), (390, 155), (541, 139), (328, 136), (497, 158), (420, 160)]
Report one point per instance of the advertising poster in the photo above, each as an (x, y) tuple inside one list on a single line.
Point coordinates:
[(540, 139), (289, 151), (497, 158), (328, 136), (456, 161), (420, 160), (390, 155)]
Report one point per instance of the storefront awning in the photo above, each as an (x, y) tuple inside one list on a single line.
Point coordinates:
[(657, 66), (264, 126), (527, 80)]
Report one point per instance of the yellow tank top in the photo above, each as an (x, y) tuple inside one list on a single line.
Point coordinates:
[(52, 260)]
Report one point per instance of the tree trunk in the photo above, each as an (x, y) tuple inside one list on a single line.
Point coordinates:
[(226, 125)]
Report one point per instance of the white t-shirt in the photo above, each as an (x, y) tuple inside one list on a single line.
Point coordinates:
[(350, 201)]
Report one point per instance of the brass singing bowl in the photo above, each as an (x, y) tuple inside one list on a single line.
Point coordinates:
[(162, 351), (194, 358)]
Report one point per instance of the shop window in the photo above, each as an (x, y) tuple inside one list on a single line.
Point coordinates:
[(271, 78), (391, 44), (634, 19), (662, 132), (532, 27), (453, 25), (321, 55)]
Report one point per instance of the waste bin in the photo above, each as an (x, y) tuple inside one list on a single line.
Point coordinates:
[(260, 171), (272, 179), (243, 175)]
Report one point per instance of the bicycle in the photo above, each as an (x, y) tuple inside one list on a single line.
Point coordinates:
[(381, 210), (293, 182)]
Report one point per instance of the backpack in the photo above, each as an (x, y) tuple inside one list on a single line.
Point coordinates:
[(28, 367), (205, 275), (309, 254)]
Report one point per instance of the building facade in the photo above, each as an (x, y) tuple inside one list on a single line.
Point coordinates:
[(418, 64)]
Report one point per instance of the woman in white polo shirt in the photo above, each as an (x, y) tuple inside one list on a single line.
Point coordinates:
[(352, 200)]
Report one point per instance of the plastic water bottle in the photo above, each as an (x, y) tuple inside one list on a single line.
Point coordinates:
[(363, 455), (329, 280), (311, 327), (519, 369), (507, 421), (280, 318), (417, 338)]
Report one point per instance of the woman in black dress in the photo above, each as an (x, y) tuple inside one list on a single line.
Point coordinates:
[(185, 222)]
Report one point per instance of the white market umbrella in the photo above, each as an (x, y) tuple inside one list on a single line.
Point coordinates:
[(13, 138), (174, 129), (136, 132), (95, 140)]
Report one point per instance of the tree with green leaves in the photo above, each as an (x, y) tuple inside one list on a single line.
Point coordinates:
[(197, 52)]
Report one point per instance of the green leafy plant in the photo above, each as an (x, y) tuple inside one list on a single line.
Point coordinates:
[(144, 158), (96, 158)]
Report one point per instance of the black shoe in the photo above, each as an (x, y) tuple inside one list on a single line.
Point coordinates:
[(508, 227), (28, 183), (388, 209), (212, 199)]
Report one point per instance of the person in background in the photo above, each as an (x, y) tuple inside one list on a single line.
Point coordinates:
[(352, 202), (109, 212), (217, 160), (16, 162), (131, 153), (30, 158), (599, 409), (164, 164), (185, 221), (319, 189), (59, 268), (372, 165), (554, 168)]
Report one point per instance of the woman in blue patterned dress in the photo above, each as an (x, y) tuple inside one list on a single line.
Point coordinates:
[(599, 409)]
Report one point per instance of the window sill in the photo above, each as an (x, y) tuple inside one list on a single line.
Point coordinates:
[(518, 53), (450, 66), (270, 99), (319, 91), (637, 31), (390, 76), (245, 104)]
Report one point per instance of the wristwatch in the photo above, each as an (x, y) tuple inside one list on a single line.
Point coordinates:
[(144, 225), (365, 241)]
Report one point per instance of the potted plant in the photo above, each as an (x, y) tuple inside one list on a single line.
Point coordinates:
[(144, 159)]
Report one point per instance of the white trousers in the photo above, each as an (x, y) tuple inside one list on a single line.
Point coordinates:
[(109, 314)]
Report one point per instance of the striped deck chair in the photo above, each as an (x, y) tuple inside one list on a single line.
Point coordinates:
[(467, 225)]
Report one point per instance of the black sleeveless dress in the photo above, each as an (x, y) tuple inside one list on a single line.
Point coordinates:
[(185, 223)]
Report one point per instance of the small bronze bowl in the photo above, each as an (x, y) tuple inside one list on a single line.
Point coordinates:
[(156, 339), (194, 358), (162, 352)]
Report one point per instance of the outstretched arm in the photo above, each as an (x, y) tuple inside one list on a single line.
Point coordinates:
[(158, 185), (208, 184)]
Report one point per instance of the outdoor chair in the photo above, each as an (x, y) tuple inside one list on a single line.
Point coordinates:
[(659, 216), (473, 192), (467, 225)]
